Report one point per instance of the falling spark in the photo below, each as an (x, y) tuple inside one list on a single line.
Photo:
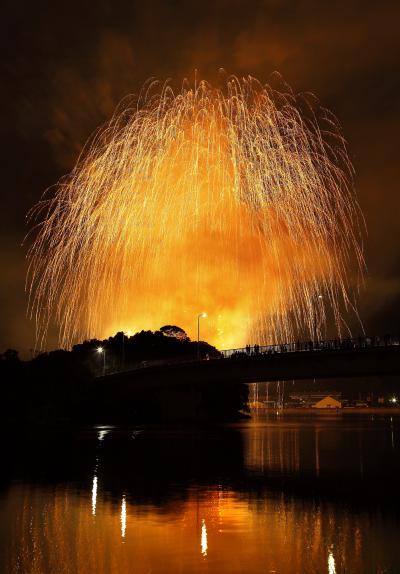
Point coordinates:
[(204, 545), (237, 200)]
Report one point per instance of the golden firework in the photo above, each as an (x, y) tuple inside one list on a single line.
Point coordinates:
[(237, 201)]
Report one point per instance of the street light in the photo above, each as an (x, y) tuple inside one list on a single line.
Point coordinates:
[(102, 351), (200, 316)]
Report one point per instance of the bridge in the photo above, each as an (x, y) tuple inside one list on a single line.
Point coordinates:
[(216, 389), (260, 364)]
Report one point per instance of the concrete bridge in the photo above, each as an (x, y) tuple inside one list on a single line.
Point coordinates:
[(260, 367), (216, 389)]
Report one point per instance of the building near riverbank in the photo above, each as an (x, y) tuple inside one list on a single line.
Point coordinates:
[(309, 399), (328, 402)]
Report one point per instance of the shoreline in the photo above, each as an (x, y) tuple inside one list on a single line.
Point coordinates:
[(323, 412)]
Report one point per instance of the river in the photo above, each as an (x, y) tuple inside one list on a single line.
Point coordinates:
[(274, 494)]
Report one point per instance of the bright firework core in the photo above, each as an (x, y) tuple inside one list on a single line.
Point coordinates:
[(236, 201)]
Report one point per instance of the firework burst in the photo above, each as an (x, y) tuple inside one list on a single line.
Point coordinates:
[(237, 201)]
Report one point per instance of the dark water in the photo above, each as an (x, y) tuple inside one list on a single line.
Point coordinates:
[(286, 495)]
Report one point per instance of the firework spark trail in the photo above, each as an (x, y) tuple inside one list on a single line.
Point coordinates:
[(236, 201)]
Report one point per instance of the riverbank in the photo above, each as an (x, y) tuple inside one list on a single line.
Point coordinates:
[(324, 412)]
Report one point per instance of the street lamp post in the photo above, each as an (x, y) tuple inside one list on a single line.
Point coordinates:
[(102, 351), (200, 316)]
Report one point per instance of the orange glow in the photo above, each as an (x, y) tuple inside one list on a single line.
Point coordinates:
[(226, 532), (230, 202)]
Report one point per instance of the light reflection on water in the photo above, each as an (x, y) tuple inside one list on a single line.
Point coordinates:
[(331, 563), (123, 516), (204, 544), (94, 495), (280, 496)]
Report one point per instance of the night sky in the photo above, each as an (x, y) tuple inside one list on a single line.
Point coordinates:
[(66, 65)]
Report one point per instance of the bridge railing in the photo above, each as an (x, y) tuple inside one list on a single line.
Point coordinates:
[(264, 350), (323, 345)]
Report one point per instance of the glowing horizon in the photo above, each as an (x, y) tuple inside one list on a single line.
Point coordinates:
[(238, 202)]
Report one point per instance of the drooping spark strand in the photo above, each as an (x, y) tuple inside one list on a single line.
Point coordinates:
[(237, 201)]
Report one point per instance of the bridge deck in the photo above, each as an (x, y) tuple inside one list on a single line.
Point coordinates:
[(265, 367)]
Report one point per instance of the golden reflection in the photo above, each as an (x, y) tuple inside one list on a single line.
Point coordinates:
[(51, 532), (273, 448)]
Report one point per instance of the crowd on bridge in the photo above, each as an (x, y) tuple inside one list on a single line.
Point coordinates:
[(319, 345)]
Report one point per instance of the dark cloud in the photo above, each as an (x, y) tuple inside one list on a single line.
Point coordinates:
[(66, 65)]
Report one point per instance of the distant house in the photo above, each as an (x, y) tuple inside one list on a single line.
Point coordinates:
[(309, 398), (328, 403)]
